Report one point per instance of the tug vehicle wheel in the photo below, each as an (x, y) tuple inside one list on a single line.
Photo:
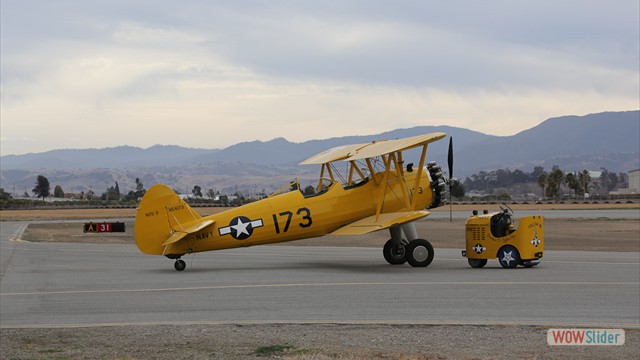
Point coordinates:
[(509, 257), (180, 265), (477, 263), (394, 255), (419, 253)]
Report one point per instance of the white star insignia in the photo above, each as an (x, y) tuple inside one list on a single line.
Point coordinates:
[(479, 248), (241, 228), (507, 257), (535, 242)]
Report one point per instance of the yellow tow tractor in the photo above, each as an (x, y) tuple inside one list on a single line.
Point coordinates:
[(496, 235)]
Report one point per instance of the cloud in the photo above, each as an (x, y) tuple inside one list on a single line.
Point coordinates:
[(431, 44), (210, 74)]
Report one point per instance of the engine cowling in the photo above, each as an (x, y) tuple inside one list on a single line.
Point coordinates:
[(438, 184)]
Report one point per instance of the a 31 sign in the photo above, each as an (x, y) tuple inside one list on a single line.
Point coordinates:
[(104, 227)]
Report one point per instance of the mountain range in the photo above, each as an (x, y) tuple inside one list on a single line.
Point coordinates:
[(609, 139)]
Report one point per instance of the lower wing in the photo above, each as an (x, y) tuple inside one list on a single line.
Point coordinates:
[(375, 223)]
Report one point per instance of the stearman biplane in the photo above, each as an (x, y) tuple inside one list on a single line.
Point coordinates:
[(377, 190)]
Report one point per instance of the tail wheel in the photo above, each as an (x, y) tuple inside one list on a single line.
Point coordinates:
[(393, 254), (509, 257), (180, 265), (477, 263), (419, 253)]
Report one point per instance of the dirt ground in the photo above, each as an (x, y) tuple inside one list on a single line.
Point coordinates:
[(302, 342), (601, 234)]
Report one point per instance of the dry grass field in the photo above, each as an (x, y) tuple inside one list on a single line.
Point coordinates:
[(112, 213)]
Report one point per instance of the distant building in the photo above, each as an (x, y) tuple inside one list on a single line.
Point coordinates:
[(634, 180), (634, 184), (594, 175)]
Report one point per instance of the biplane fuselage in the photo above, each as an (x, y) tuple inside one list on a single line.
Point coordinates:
[(284, 217), (383, 198)]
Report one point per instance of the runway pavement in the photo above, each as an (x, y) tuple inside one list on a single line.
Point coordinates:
[(69, 285)]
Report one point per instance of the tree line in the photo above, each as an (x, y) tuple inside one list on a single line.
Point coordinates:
[(42, 189), (551, 184)]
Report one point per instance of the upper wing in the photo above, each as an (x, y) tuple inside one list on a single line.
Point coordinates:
[(373, 149), (385, 147), (375, 223), (333, 154)]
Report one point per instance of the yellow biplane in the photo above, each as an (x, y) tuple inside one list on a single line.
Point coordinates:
[(377, 191)]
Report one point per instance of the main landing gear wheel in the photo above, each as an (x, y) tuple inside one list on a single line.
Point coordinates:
[(509, 257), (477, 263), (180, 265), (419, 253), (395, 255)]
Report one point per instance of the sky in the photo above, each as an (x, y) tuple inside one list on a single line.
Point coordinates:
[(210, 74)]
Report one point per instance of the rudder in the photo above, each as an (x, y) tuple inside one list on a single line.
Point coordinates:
[(160, 215)]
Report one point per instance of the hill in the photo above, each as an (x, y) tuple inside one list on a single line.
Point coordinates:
[(610, 139)]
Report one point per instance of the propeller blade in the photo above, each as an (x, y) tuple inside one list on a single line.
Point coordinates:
[(450, 158), (450, 161)]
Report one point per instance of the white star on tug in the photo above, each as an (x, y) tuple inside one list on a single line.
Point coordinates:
[(508, 258), (479, 248), (535, 242)]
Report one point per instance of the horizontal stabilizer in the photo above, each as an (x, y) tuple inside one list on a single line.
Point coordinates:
[(384, 221), (182, 233)]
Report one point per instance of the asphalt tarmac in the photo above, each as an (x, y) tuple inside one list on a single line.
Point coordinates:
[(75, 285)]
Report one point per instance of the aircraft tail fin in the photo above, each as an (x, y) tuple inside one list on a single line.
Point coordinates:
[(163, 219)]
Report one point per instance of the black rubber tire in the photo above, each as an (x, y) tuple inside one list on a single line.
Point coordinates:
[(180, 265), (393, 255), (477, 263), (419, 253), (509, 257)]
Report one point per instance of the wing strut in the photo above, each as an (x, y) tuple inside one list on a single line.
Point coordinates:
[(354, 167), (420, 171), (372, 171), (324, 166), (397, 160), (385, 178)]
